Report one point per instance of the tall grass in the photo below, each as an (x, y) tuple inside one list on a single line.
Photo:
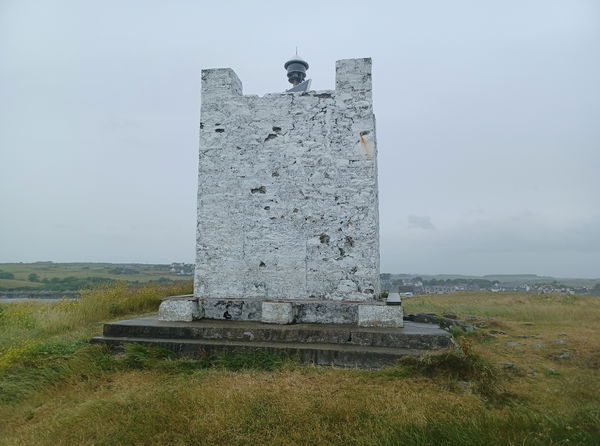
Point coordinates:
[(25, 327), (55, 389)]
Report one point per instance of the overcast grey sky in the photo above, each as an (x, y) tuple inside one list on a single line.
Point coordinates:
[(488, 117)]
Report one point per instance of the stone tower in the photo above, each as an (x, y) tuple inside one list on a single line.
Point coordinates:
[(288, 227), (287, 232)]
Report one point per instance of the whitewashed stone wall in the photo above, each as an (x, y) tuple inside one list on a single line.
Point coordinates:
[(287, 195)]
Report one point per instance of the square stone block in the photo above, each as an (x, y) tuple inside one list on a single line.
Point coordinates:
[(387, 316), (180, 310), (277, 313)]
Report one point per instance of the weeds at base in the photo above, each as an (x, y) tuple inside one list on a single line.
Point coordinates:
[(451, 368)]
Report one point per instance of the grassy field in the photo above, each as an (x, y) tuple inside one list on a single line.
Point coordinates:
[(528, 376), (49, 270)]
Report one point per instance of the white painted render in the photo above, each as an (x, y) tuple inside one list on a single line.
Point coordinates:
[(287, 191)]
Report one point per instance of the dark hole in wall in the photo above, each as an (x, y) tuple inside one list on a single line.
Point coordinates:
[(364, 132), (261, 264), (267, 208), (324, 238), (259, 190), (270, 136), (349, 241), (323, 95), (277, 129), (275, 174), (219, 130)]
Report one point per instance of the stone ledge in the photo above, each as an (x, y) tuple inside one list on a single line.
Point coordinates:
[(413, 335), (324, 344), (322, 355), (282, 311), (297, 311)]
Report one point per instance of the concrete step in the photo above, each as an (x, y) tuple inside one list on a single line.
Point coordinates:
[(413, 336), (321, 354)]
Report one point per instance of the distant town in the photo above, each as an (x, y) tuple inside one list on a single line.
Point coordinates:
[(409, 286)]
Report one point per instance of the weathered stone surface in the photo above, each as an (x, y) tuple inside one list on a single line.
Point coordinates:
[(179, 310), (324, 344), (287, 195), (232, 309), (411, 336), (277, 313), (380, 316), (331, 312), (303, 310), (299, 311)]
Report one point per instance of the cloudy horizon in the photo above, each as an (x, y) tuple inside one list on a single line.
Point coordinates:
[(488, 124)]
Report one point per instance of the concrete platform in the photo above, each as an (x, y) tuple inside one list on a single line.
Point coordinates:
[(322, 344)]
